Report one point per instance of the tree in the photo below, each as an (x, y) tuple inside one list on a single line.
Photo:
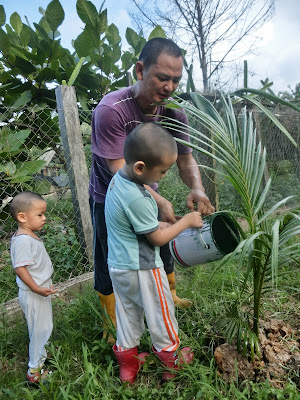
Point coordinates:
[(212, 30), (33, 61), (32, 64), (293, 95)]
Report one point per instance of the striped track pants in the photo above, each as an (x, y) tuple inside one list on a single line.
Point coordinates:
[(146, 293)]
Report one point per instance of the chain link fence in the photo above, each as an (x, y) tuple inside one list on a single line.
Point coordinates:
[(32, 157)]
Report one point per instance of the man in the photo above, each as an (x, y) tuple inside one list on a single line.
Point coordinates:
[(158, 71)]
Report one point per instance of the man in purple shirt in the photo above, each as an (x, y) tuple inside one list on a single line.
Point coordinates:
[(158, 71)]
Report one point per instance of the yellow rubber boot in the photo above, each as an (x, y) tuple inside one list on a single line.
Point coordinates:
[(108, 303), (178, 302)]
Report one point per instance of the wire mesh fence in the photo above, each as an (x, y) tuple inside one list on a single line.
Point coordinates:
[(283, 157), (32, 158)]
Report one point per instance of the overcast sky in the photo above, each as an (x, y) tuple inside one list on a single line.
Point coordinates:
[(277, 58), (279, 55)]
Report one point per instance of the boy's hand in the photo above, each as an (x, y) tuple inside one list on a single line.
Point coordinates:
[(193, 219), (46, 291)]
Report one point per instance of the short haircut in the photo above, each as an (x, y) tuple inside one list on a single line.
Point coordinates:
[(149, 142), (155, 47), (22, 202)]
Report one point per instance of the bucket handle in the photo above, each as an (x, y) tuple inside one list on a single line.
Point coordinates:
[(202, 240)]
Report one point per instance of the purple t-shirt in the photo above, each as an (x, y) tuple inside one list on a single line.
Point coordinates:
[(113, 119)]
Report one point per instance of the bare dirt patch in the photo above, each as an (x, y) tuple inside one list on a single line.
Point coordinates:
[(280, 357)]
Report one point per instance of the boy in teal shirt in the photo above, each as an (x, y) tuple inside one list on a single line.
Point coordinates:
[(134, 236)]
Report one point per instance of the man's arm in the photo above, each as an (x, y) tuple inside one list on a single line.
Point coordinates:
[(190, 174), (115, 165)]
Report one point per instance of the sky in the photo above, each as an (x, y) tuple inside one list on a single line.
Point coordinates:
[(278, 55)]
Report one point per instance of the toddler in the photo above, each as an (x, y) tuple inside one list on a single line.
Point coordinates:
[(33, 268)]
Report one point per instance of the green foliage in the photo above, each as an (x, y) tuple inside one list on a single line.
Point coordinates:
[(54, 15), (293, 95), (33, 61), (266, 245), (12, 168), (157, 32)]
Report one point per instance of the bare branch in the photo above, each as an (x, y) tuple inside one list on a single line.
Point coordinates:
[(205, 26)]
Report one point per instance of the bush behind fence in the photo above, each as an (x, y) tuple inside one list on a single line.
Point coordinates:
[(33, 158)]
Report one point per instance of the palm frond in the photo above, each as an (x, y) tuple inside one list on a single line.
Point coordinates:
[(235, 326), (234, 145), (273, 209), (274, 250), (261, 93)]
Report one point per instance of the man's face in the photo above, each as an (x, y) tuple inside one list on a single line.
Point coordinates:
[(159, 81)]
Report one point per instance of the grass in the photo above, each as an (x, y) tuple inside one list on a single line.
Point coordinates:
[(84, 365)]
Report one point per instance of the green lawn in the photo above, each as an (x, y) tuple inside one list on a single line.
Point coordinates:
[(85, 367)]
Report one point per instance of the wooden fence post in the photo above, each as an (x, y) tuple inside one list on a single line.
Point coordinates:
[(76, 165)]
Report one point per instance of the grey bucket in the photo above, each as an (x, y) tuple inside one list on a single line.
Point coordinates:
[(218, 236)]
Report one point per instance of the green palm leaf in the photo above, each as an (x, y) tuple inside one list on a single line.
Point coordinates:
[(268, 246)]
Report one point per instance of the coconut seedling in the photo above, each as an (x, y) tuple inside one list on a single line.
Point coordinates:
[(266, 246)]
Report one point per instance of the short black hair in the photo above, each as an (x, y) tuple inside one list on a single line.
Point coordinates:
[(148, 142), (22, 202), (155, 47)]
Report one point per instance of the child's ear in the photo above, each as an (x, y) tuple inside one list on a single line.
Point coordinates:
[(21, 217), (138, 167)]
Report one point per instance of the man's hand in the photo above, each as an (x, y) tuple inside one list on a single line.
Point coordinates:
[(166, 212), (190, 175), (198, 196)]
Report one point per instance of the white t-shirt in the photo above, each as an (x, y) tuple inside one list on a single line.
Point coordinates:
[(27, 251)]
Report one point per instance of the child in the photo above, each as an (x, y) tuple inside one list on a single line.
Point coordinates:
[(34, 269), (140, 283)]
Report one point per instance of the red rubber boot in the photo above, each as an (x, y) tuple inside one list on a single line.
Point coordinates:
[(130, 363), (172, 361)]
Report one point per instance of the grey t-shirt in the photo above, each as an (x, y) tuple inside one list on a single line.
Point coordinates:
[(27, 251)]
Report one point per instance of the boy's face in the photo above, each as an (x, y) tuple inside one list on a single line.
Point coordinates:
[(34, 219), (154, 174)]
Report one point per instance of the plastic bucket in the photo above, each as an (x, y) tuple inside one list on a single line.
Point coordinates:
[(218, 236)]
